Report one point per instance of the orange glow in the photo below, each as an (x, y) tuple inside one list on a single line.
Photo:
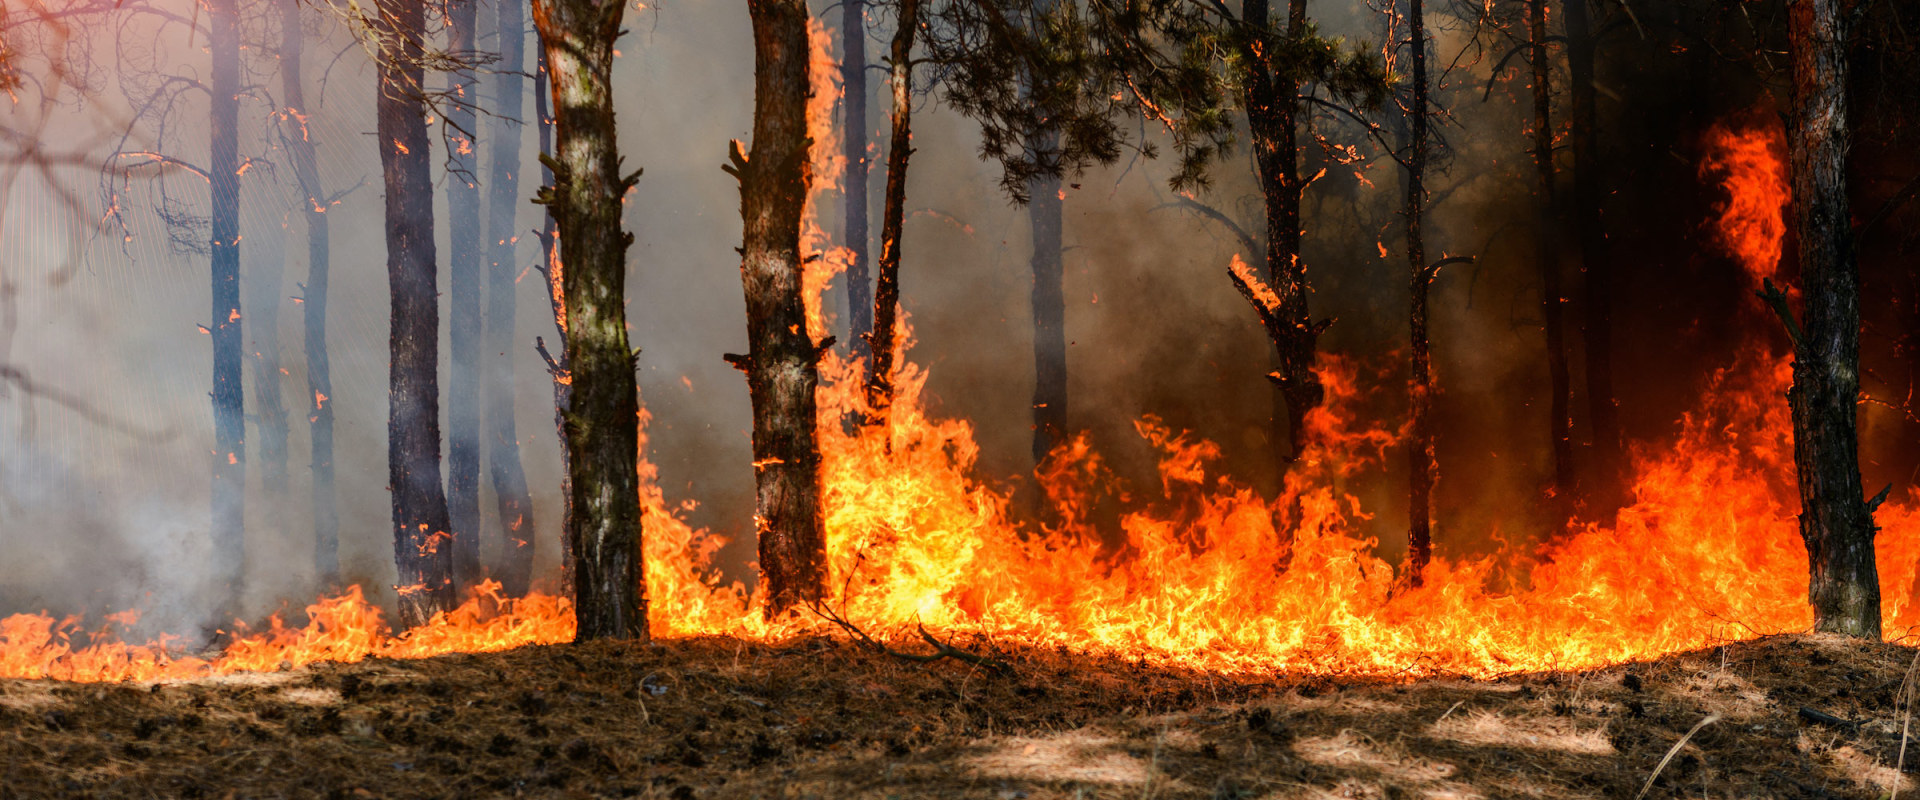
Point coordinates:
[(1206, 572), (1750, 164)]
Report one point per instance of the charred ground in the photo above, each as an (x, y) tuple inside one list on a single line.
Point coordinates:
[(817, 718)]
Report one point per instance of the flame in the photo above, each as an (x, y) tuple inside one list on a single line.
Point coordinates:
[(1750, 163), (1205, 572)]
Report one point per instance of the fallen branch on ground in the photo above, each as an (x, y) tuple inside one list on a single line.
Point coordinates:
[(941, 649)]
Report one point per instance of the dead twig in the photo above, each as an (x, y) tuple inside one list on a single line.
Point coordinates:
[(941, 650), (1711, 718)]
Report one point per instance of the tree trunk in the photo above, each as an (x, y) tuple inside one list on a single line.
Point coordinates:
[(463, 313), (1420, 389), (603, 420), (853, 77), (514, 567), (1552, 302), (1608, 459), (420, 552), (782, 360), (1272, 122), (886, 299), (555, 273), (229, 405), (313, 295), (1045, 211), (1835, 522), (264, 280)]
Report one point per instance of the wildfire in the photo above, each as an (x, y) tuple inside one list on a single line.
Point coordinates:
[(1209, 574), (1749, 163)]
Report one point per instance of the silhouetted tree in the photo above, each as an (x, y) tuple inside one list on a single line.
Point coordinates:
[(465, 285), (602, 420), (1608, 457), (853, 140), (886, 296), (421, 552)]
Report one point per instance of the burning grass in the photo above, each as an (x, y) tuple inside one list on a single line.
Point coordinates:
[(814, 717)]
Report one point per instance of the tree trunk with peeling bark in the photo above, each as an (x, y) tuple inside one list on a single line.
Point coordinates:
[(229, 455), (782, 360), (1836, 522), (1552, 302), (420, 552), (464, 287), (298, 134), (512, 500), (1272, 122), (886, 298), (602, 421)]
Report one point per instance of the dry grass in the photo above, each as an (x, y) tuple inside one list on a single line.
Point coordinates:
[(717, 718)]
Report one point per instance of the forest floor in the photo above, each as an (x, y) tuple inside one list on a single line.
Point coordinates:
[(719, 718)]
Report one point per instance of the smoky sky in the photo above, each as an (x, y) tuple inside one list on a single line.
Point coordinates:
[(98, 517)]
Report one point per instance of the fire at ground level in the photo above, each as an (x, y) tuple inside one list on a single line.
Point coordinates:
[(1790, 717)]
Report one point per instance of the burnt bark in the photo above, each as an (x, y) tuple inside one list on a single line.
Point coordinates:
[(1420, 456), (1552, 294), (1608, 457), (555, 274), (602, 420), (853, 140), (886, 297), (512, 500), (1273, 108), (298, 135), (463, 312), (420, 552), (1836, 523), (782, 359), (229, 453)]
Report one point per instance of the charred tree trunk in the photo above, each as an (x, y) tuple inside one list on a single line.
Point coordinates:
[(1272, 97), (853, 77), (463, 313), (1836, 523), (1608, 458), (1552, 308), (264, 279), (229, 403), (420, 551), (1420, 465), (603, 419), (313, 295), (782, 360), (514, 567), (886, 298), (555, 274), (1044, 212)]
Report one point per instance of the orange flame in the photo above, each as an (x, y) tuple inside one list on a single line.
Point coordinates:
[(1750, 164)]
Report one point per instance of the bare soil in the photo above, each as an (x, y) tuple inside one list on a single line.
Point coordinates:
[(719, 718)]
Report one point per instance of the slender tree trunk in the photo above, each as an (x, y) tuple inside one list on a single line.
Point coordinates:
[(229, 405), (421, 554), (853, 76), (1420, 466), (1552, 300), (263, 282), (886, 300), (555, 273), (1609, 459), (1272, 122), (1835, 521), (1045, 212), (782, 362), (313, 295), (465, 285), (603, 421), (514, 567)]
